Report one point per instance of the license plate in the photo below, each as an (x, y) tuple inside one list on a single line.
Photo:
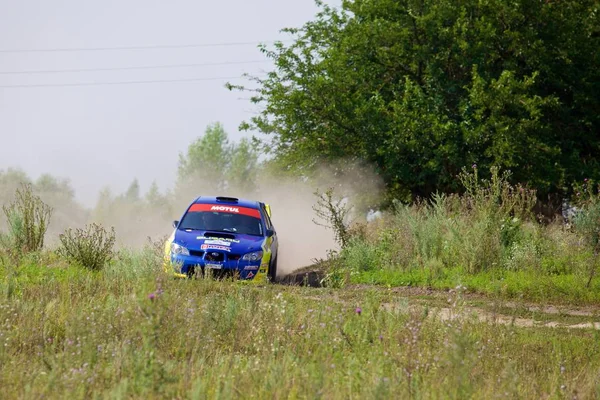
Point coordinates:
[(213, 266)]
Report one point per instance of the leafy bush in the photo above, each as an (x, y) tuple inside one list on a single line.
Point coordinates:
[(91, 247), (28, 218)]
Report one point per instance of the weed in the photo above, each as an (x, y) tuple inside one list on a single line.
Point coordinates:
[(333, 214), (91, 247), (28, 218)]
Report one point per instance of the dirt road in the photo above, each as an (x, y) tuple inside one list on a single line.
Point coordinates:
[(449, 305)]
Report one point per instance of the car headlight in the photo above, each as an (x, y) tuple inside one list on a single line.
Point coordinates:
[(178, 249), (255, 256)]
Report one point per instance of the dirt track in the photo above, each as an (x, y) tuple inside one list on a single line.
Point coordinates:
[(448, 305)]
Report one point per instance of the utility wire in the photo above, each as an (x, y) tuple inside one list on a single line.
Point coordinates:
[(55, 71), (150, 47), (44, 85)]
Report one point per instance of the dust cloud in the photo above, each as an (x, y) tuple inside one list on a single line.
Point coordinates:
[(301, 240)]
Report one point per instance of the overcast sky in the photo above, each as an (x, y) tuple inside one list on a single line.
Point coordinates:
[(112, 133)]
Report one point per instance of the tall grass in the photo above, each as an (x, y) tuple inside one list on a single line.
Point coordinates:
[(490, 231), (125, 333)]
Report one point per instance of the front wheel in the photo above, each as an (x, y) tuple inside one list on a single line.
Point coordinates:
[(272, 274)]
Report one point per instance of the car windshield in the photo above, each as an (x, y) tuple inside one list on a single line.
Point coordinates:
[(222, 222)]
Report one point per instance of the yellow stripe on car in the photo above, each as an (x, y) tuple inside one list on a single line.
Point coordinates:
[(168, 266)]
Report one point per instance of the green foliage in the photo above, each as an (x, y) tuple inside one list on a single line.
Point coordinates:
[(213, 163), (83, 335), (206, 159), (133, 192), (587, 221), (242, 170), (91, 247), (420, 89), (155, 199), (28, 218), (489, 231)]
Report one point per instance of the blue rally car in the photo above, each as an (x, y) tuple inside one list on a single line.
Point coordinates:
[(230, 236)]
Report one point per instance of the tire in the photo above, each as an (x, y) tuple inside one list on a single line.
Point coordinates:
[(272, 273)]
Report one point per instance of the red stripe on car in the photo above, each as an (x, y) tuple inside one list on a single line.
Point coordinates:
[(252, 212)]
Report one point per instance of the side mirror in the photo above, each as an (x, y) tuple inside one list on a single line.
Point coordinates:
[(270, 232), (175, 223)]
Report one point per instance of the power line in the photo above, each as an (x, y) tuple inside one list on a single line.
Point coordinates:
[(54, 71), (44, 85), (150, 47)]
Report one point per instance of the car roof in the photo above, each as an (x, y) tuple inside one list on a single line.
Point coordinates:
[(227, 200)]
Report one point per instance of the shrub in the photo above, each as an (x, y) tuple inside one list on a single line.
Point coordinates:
[(91, 247), (587, 223), (28, 218), (333, 214)]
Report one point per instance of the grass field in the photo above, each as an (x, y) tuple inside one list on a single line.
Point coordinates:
[(130, 332), (459, 297)]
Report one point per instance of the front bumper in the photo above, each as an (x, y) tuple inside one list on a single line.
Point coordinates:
[(183, 266)]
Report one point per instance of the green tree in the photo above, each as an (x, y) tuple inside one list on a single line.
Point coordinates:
[(212, 162), (102, 210), (49, 184), (10, 181), (422, 88), (206, 159), (242, 171), (132, 194)]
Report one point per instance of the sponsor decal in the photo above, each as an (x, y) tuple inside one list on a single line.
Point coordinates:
[(252, 212), (250, 275), (251, 267), (219, 242), (214, 247), (224, 208), (213, 266), (215, 238)]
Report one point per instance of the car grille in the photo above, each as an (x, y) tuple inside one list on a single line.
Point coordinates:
[(218, 257), (214, 256)]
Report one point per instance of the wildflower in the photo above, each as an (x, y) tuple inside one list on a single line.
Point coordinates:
[(474, 166), (152, 296), (358, 310)]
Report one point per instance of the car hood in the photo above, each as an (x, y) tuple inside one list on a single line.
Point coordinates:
[(230, 242)]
